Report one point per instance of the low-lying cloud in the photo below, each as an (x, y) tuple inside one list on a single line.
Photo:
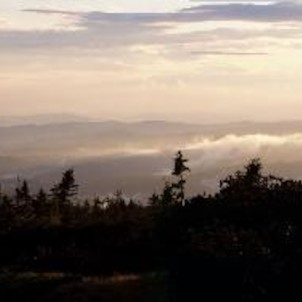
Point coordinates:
[(234, 149), (208, 153), (143, 160)]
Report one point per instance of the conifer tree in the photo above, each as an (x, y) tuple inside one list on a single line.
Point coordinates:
[(179, 171), (66, 189), (23, 193), (62, 194)]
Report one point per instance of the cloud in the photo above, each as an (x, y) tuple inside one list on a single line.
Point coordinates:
[(226, 150), (263, 2), (104, 30), (209, 155), (232, 149), (275, 12), (52, 12), (246, 11), (228, 53), (118, 34)]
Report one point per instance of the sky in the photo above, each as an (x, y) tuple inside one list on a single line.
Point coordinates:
[(195, 61)]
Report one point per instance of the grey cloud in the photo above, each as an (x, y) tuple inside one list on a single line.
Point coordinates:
[(234, 1), (276, 12), (101, 30), (228, 53), (50, 12)]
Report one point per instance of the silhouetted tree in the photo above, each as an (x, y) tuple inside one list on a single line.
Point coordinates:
[(23, 193), (247, 185), (179, 171), (244, 243), (168, 194), (66, 189), (40, 204), (174, 191), (62, 193), (41, 198)]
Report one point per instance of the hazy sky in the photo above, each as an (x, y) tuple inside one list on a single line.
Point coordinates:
[(206, 61)]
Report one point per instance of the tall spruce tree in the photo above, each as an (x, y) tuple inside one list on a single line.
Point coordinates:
[(62, 194), (179, 172)]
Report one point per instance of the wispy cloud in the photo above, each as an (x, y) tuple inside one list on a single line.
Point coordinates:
[(103, 30), (232, 149), (274, 12), (209, 52), (228, 53), (53, 12), (244, 10)]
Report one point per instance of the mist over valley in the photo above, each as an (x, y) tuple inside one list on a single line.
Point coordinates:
[(137, 157)]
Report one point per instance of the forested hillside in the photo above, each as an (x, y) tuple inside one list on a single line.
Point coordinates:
[(243, 243)]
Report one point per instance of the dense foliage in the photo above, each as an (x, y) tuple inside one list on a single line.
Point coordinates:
[(244, 243)]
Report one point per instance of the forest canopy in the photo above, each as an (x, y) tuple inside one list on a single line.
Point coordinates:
[(246, 239)]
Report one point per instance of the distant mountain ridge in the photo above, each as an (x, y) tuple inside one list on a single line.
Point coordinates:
[(7, 121), (69, 120), (137, 156)]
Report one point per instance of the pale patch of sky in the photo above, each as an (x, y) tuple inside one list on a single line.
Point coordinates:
[(223, 64), (15, 16), (100, 5)]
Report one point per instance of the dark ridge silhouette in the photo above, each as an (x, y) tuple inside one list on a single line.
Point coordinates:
[(243, 243)]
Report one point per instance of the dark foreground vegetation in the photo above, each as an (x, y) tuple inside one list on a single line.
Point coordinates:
[(244, 243)]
